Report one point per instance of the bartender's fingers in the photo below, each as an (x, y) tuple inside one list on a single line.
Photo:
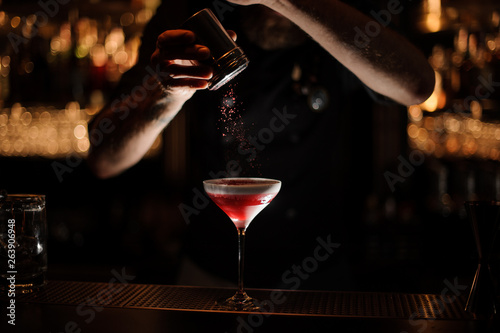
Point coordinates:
[(192, 52), (184, 74), (181, 71), (181, 37), (175, 37), (178, 45), (183, 83)]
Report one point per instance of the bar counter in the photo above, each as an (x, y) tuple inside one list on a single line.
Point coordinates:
[(72, 307)]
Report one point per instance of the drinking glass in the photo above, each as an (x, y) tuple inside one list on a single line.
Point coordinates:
[(23, 242), (241, 199)]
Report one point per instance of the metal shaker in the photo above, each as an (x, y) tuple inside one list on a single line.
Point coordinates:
[(226, 58)]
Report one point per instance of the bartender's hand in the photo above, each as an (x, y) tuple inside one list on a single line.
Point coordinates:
[(178, 58)]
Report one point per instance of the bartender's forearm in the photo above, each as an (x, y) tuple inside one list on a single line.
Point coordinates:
[(126, 128), (132, 122), (387, 63)]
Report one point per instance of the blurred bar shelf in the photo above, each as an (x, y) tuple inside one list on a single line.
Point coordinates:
[(120, 307)]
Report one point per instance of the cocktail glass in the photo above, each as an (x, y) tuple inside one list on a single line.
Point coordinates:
[(241, 199)]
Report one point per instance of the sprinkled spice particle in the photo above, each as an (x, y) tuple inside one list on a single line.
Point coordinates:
[(230, 122), (233, 129)]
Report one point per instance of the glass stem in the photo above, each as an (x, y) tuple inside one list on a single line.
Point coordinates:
[(241, 259)]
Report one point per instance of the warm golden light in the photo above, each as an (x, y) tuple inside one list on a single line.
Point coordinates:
[(413, 131), (98, 55), (462, 40), (495, 19), (47, 132), (3, 18), (433, 16), (83, 145), (422, 135), (432, 103), (456, 135), (80, 131), (439, 126), (42, 131), (28, 67), (476, 109), (434, 6), (452, 144), (31, 19), (433, 22), (143, 16), (415, 113), (127, 19), (14, 23), (491, 44)]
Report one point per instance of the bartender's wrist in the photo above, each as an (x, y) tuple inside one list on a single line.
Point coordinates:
[(164, 104)]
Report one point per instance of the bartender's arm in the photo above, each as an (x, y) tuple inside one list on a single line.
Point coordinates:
[(126, 128), (387, 63)]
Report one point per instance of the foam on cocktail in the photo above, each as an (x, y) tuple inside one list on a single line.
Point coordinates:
[(242, 186)]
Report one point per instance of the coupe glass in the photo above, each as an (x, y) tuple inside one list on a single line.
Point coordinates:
[(241, 199)]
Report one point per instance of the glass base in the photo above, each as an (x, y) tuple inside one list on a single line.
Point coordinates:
[(239, 302)]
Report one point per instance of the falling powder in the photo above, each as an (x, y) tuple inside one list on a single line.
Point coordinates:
[(230, 123), (234, 130)]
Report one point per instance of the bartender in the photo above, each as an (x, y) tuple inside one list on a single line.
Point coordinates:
[(315, 69)]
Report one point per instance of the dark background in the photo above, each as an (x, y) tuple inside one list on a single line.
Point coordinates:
[(409, 240)]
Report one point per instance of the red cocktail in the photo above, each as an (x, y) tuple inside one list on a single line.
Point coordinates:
[(241, 199)]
